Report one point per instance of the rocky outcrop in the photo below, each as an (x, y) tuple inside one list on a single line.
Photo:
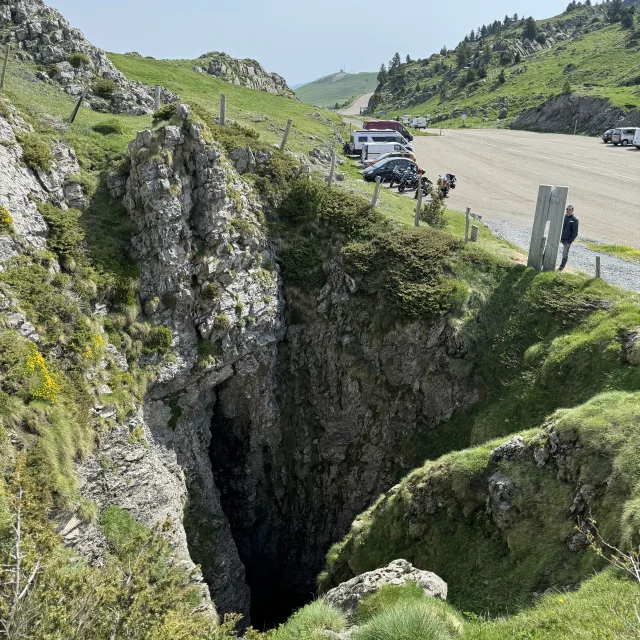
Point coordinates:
[(244, 73), (22, 188), (40, 33), (348, 595), (560, 114)]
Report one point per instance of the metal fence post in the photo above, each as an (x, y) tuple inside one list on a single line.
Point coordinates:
[(4, 67), (286, 135), (376, 192), (74, 113), (223, 109)]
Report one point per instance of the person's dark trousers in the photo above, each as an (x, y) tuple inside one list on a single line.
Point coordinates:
[(565, 255)]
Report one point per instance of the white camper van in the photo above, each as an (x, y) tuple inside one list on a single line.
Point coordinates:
[(419, 123), (406, 119), (372, 136), (636, 139), (372, 150)]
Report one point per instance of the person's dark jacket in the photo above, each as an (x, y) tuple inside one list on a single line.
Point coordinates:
[(570, 229)]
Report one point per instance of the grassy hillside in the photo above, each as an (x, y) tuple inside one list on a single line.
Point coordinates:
[(581, 52), (337, 88)]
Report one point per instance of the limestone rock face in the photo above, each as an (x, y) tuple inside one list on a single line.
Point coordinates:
[(22, 188), (348, 595), (42, 34), (245, 73)]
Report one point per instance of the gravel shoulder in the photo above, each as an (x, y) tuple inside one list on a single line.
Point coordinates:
[(615, 271)]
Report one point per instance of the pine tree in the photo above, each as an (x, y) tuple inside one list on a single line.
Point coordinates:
[(395, 62), (383, 76), (443, 51), (409, 61), (530, 29), (501, 78), (518, 58)]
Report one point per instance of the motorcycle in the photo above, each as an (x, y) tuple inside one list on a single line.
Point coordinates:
[(451, 179), (408, 180), (426, 187), (396, 178)]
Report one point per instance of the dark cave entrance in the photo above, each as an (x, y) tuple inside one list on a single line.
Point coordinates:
[(258, 524)]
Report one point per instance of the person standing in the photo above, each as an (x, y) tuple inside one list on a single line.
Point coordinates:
[(569, 234)]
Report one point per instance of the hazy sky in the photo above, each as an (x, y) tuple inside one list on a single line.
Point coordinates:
[(300, 43)]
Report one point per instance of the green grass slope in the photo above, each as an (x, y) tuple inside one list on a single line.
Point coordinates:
[(337, 88), (599, 59)]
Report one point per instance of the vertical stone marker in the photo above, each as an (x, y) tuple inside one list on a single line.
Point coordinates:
[(474, 233), (286, 135), (549, 209), (223, 109), (157, 97), (4, 66), (598, 267), (468, 224)]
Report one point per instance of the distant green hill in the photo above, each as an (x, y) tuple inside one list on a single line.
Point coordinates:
[(338, 87)]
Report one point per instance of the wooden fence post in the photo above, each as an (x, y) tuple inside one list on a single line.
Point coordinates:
[(157, 97), (598, 267), (223, 109), (466, 230), (286, 135), (333, 166), (74, 113), (419, 204), (376, 192), (4, 67), (474, 233)]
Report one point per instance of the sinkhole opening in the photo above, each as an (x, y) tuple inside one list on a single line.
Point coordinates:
[(265, 542)]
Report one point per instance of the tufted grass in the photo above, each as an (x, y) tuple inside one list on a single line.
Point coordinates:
[(310, 622)]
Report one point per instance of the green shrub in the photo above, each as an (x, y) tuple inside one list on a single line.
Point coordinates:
[(243, 227), (434, 211), (65, 233), (158, 340), (104, 88), (302, 261), (404, 270), (407, 621), (109, 127), (76, 60), (36, 151), (222, 322), (232, 135), (6, 221), (309, 623), (164, 113), (211, 291)]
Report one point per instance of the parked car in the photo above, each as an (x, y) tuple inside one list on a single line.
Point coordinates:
[(624, 137), (360, 138), (389, 124), (387, 156), (636, 140), (606, 136), (372, 150), (419, 123), (385, 168)]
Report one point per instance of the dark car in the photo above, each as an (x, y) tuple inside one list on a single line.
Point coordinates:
[(385, 168), (606, 136)]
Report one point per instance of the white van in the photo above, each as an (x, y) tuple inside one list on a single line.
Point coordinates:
[(364, 136), (406, 119), (376, 149), (419, 123), (624, 136), (636, 139)]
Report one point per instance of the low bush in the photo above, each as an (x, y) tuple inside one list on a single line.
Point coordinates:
[(104, 88), (407, 621), (310, 622), (109, 127), (164, 113), (158, 340), (6, 221), (76, 60), (36, 151)]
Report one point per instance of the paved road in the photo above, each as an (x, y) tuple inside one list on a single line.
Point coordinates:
[(499, 173), (358, 103)]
